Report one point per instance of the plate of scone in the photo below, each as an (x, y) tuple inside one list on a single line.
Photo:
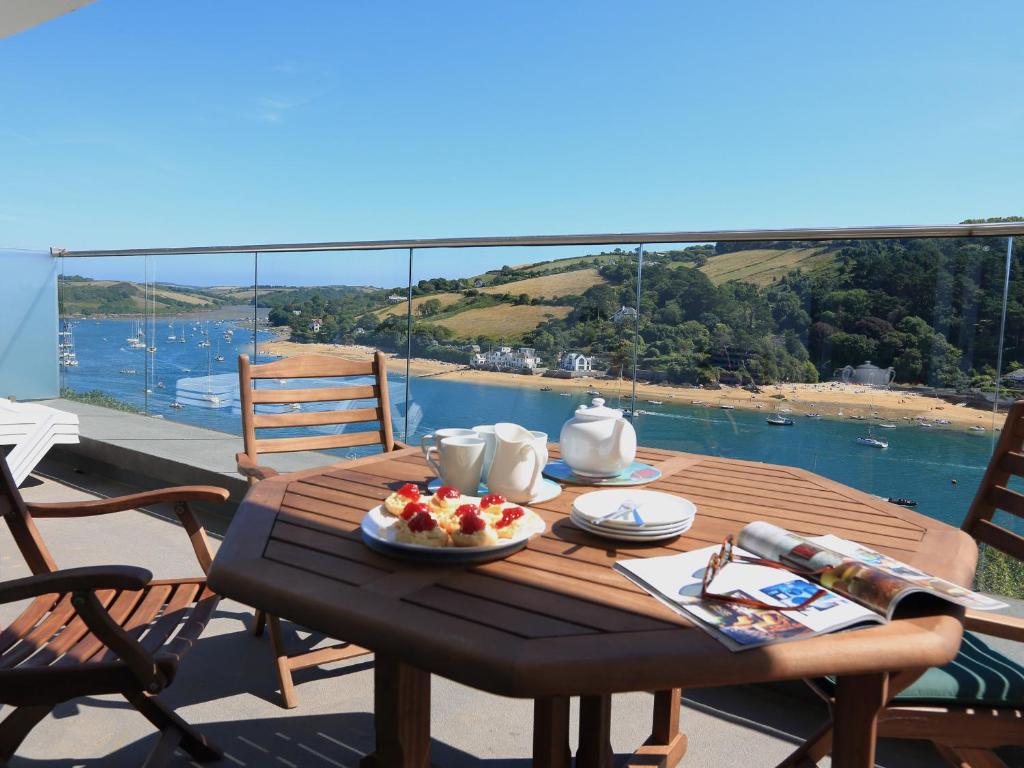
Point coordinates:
[(447, 526)]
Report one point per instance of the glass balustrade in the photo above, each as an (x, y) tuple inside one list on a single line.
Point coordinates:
[(886, 365)]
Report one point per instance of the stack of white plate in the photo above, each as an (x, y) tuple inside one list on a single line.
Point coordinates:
[(633, 514)]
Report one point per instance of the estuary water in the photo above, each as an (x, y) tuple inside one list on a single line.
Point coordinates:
[(920, 464)]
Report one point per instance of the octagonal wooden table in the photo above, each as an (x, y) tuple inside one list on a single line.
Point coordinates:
[(555, 621)]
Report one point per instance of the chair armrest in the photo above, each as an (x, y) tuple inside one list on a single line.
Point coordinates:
[(995, 624), (252, 470), (75, 579), (132, 501)]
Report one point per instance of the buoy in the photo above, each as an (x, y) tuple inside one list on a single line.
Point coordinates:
[(953, 481)]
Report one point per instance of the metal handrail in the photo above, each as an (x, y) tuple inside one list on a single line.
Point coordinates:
[(624, 238)]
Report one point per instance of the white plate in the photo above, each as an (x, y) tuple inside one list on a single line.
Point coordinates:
[(377, 523), (621, 535), (656, 509), (549, 489)]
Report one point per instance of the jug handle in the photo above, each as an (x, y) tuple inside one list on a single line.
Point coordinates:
[(428, 453), (538, 467)]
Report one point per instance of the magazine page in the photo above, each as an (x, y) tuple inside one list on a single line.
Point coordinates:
[(849, 577), (676, 581), (921, 580)]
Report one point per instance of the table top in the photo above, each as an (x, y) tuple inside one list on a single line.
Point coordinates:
[(554, 619)]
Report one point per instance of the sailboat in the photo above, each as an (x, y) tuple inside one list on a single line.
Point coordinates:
[(870, 439), (209, 396), (171, 336), (66, 346), (220, 357)]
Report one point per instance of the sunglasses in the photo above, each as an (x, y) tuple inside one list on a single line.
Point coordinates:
[(718, 561)]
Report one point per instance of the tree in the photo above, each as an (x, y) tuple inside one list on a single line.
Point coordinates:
[(430, 307)]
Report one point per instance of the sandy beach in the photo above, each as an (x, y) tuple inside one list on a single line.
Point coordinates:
[(829, 399)]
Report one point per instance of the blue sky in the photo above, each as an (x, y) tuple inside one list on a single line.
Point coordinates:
[(136, 124)]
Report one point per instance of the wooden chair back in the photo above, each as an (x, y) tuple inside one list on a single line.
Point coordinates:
[(314, 367), (994, 492), (22, 526)]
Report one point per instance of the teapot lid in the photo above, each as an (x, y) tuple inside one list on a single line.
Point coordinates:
[(598, 410)]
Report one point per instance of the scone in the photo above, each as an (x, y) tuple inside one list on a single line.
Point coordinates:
[(511, 521), (473, 531), (451, 522), (396, 502), (421, 529), (491, 506), (445, 501)]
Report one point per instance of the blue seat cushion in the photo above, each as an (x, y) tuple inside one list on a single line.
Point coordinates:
[(979, 675)]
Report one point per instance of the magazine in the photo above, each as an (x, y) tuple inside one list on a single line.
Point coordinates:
[(861, 587)]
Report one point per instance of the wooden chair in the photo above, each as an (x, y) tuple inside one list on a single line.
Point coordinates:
[(976, 702), (103, 629), (309, 367)]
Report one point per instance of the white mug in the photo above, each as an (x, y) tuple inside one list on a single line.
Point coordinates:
[(461, 461), (434, 438), (486, 433), (518, 463)]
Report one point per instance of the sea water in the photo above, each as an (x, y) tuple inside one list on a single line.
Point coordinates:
[(920, 463)]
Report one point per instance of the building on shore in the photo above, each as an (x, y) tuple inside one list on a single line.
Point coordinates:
[(576, 362), (315, 324), (506, 358), (394, 298), (624, 314)]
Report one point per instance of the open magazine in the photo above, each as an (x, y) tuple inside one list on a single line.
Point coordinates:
[(862, 587)]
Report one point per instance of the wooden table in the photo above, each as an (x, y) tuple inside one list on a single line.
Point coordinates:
[(554, 621)]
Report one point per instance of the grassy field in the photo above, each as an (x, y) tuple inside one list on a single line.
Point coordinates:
[(550, 286), (502, 320), (446, 300), (763, 266)]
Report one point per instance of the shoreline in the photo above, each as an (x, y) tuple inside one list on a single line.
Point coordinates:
[(834, 400)]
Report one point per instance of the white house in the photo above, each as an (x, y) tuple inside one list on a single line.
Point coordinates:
[(523, 358), (622, 314), (394, 298), (314, 324), (577, 362)]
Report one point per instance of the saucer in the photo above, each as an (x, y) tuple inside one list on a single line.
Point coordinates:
[(549, 489), (636, 473)]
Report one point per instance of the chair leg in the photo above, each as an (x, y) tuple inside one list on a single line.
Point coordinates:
[(284, 670), (16, 726), (259, 622), (189, 737), (811, 751)]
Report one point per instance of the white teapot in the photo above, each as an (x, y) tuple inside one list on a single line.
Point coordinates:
[(597, 441)]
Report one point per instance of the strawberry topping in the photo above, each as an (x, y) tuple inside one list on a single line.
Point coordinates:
[(467, 509), (492, 499), (472, 523), (409, 491), (413, 508), (447, 492), (422, 521), (508, 516)]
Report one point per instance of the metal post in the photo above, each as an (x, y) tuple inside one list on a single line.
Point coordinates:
[(408, 347), (147, 341), (1002, 333), (255, 299), (636, 330)]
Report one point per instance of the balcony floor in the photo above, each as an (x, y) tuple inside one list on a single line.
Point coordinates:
[(227, 685)]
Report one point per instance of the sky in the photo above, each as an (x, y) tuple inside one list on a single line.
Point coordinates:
[(141, 124)]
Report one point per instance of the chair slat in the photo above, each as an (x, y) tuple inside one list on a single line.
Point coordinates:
[(1008, 500), (40, 635), (315, 418), (311, 367), (319, 443), (175, 613), (1000, 538), (1013, 462), (316, 395)]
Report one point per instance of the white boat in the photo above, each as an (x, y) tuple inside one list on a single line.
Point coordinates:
[(655, 402), (976, 428), (161, 385), (593, 392), (887, 426), (725, 407), (564, 394), (176, 405), (779, 421), (874, 442)]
